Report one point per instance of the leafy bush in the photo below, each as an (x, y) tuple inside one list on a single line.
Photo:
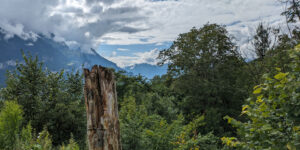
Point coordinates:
[(273, 112), (10, 122)]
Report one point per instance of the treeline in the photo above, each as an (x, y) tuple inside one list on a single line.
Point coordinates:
[(41, 108), (208, 88), (210, 98)]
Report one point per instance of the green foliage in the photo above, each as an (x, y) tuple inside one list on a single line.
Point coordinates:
[(270, 57), (10, 122), (28, 141), (12, 138), (49, 99), (71, 146), (189, 138), (65, 108), (25, 140), (131, 125), (143, 125), (262, 41), (207, 73), (44, 140), (273, 112), (140, 130), (199, 47), (207, 79), (25, 85)]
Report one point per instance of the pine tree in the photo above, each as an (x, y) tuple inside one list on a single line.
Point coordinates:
[(292, 12), (262, 40)]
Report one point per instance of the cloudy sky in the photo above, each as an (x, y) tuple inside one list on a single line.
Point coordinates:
[(128, 32)]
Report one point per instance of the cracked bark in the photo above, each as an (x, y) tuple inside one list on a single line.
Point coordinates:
[(103, 130)]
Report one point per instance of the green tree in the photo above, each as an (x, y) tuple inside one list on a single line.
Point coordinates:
[(25, 139), (207, 73), (10, 122), (292, 12), (262, 41), (44, 141), (131, 124), (64, 108), (50, 99), (273, 112), (262, 47), (29, 141), (190, 138), (25, 85), (71, 146), (150, 131)]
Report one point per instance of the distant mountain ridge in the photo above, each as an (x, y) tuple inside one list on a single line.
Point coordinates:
[(57, 55), (147, 70)]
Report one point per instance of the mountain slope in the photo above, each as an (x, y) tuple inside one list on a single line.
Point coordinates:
[(147, 70), (55, 55), (95, 58)]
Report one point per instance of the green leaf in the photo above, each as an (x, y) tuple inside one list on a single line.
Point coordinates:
[(257, 91), (280, 76), (291, 146)]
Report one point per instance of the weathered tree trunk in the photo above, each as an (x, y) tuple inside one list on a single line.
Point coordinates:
[(103, 130)]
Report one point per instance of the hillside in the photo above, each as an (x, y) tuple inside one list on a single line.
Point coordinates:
[(55, 55), (147, 70)]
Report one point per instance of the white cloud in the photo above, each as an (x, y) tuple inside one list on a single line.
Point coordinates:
[(87, 23), (8, 63), (87, 34), (30, 44), (1, 66), (137, 58), (11, 63), (114, 53), (159, 43), (167, 19), (16, 29), (122, 49), (81, 21)]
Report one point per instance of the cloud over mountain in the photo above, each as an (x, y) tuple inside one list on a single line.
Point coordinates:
[(78, 21), (88, 23)]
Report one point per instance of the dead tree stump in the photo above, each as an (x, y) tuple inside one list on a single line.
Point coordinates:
[(103, 130)]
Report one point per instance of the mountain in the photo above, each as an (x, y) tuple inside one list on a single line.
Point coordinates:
[(147, 70), (55, 55), (93, 58)]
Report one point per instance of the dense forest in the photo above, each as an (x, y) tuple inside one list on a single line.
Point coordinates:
[(211, 97)]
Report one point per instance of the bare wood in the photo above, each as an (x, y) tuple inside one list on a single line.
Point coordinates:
[(103, 130)]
